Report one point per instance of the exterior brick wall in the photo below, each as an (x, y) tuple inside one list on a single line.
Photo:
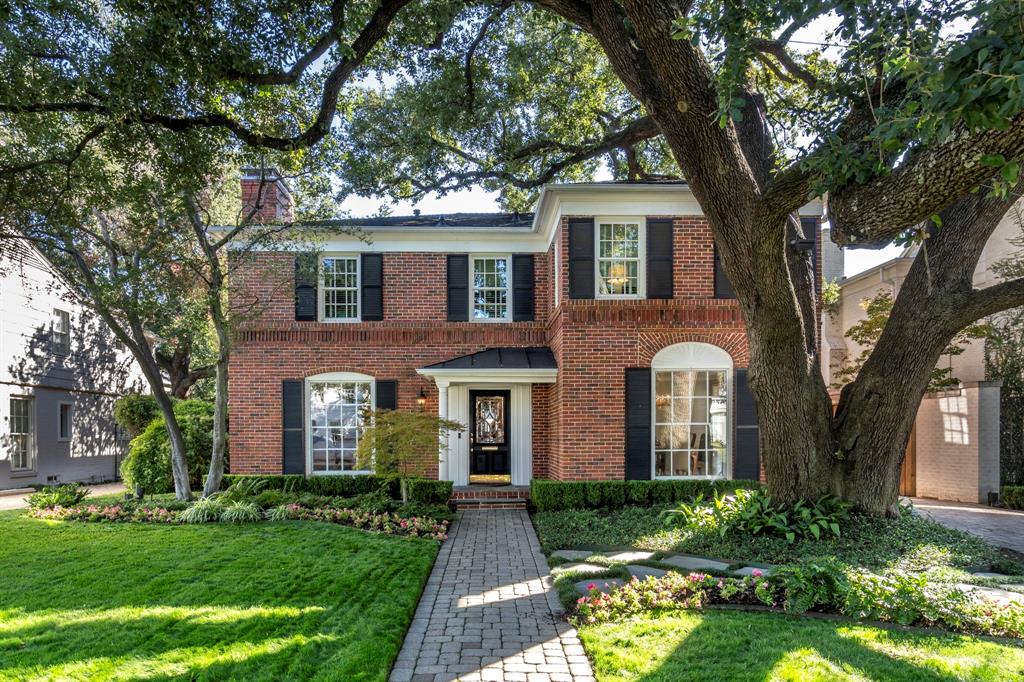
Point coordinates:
[(578, 423)]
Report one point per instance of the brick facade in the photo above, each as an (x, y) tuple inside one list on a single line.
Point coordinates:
[(578, 422)]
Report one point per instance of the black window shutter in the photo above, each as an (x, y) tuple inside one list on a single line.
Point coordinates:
[(387, 395), (581, 258), (746, 454), (293, 445), (522, 287), (458, 288), (723, 287), (638, 423), (371, 274), (306, 277), (659, 258)]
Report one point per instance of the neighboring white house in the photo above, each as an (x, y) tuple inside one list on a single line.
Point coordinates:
[(60, 372), (954, 452)]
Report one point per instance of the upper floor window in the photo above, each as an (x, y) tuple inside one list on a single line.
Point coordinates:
[(491, 288), (60, 332), (339, 295), (620, 245)]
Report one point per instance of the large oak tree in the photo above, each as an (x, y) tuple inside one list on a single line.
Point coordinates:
[(907, 114)]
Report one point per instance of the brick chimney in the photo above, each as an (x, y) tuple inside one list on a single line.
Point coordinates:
[(266, 190)]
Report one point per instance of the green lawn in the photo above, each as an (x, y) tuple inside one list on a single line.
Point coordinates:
[(735, 645), (270, 601)]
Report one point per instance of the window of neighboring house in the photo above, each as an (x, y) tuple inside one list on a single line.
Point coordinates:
[(491, 288), (691, 423), (20, 427), (337, 406), (60, 332), (620, 245), (64, 421), (339, 293)]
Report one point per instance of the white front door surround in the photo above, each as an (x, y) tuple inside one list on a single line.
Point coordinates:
[(453, 404)]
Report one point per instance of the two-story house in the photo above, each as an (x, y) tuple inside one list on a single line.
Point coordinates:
[(597, 338), (60, 372)]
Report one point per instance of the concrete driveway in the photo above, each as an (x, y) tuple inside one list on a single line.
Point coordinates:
[(1001, 527), (21, 501)]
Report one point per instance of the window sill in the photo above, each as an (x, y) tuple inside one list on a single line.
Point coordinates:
[(23, 473), (340, 320), (341, 473)]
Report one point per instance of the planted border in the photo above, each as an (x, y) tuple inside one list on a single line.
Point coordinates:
[(547, 495)]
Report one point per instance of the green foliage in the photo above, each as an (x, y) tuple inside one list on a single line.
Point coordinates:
[(754, 512), (1004, 345), (867, 332), (812, 584), (402, 442), (206, 510), (287, 483), (135, 411), (1012, 496), (240, 512), (64, 495), (278, 513), (831, 297), (148, 463), (548, 495), (428, 491)]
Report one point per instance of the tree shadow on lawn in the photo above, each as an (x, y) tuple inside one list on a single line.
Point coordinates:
[(297, 600), (736, 645)]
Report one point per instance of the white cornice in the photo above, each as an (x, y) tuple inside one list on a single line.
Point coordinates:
[(490, 376)]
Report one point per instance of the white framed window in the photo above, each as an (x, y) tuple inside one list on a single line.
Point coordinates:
[(619, 264), (60, 332), (491, 293), (339, 288), (21, 431), (337, 406), (65, 423), (692, 436)]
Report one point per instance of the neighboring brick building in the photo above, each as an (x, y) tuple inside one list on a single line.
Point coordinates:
[(597, 338)]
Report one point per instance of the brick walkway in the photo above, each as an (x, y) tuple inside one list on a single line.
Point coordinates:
[(488, 612), (1001, 527)]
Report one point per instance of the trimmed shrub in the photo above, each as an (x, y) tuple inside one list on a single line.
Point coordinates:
[(428, 491), (289, 483), (324, 486), (557, 495), (66, 495), (148, 463), (1012, 496), (135, 411)]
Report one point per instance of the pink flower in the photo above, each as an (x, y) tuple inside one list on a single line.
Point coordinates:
[(592, 586), (756, 573)]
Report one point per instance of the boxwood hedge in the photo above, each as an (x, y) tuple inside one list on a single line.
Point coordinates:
[(548, 495)]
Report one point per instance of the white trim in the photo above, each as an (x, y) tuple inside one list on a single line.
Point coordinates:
[(692, 355), (330, 377), (71, 421), (641, 267), (32, 445), (507, 257), (321, 290), (59, 314), (499, 375)]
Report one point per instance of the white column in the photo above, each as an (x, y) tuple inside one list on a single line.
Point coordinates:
[(443, 450)]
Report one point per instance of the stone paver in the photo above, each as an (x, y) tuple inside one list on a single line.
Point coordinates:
[(1001, 527), (489, 611), (632, 555), (580, 568), (573, 554), (999, 596), (749, 570), (605, 585), (694, 563), (642, 572)]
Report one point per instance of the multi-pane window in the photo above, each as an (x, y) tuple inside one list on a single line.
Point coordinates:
[(490, 289), (60, 332), (618, 259), (20, 432), (690, 422), (337, 413), (340, 288)]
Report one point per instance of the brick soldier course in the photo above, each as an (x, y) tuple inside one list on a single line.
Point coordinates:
[(489, 611)]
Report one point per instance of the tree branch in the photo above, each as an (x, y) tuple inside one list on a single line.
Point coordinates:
[(481, 34), (777, 49)]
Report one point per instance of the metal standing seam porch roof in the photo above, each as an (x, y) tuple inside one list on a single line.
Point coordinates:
[(531, 358)]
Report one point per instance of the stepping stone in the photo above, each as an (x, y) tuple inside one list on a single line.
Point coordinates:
[(604, 585), (643, 572), (1000, 596), (993, 576), (626, 557), (572, 554), (749, 570), (580, 568), (694, 563)]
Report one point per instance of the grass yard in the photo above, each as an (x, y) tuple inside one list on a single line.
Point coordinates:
[(734, 645), (269, 601)]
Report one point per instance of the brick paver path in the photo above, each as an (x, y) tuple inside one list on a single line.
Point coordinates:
[(1001, 527), (489, 612)]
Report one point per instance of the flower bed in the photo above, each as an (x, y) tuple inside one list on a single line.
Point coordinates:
[(387, 523), (905, 599)]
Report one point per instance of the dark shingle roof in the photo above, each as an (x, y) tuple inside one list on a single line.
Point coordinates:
[(438, 220), (536, 357)]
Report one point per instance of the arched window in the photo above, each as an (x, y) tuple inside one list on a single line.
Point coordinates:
[(336, 406), (692, 415)]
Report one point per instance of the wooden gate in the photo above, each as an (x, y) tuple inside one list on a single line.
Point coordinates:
[(908, 472)]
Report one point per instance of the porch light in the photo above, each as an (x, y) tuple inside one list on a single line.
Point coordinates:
[(421, 399)]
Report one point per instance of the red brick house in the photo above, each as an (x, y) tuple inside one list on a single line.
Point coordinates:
[(595, 338)]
